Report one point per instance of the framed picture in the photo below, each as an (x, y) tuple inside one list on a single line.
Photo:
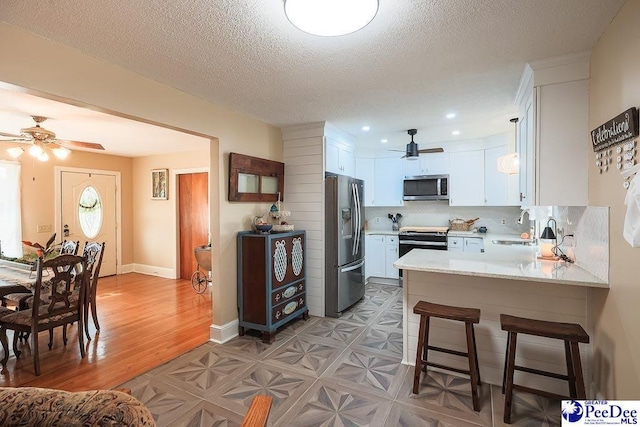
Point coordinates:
[(159, 184)]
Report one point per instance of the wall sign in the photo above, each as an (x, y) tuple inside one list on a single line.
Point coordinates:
[(620, 128)]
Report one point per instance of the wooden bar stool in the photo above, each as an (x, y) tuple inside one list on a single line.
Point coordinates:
[(570, 333), (469, 316)]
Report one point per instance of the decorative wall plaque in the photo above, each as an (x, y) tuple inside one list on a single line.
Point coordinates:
[(621, 128)]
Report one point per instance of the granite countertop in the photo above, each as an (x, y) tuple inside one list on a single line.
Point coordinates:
[(501, 261)]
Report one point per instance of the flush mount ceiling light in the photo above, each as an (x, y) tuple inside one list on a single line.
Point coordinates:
[(330, 17)]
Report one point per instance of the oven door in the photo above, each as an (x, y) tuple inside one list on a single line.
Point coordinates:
[(406, 243)]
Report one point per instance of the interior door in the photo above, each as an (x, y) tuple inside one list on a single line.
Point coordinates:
[(193, 208), (88, 204)]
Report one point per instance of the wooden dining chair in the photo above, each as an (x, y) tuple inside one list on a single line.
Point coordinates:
[(59, 308), (92, 253)]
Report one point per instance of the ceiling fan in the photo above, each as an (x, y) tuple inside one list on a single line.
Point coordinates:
[(41, 140), (412, 152)]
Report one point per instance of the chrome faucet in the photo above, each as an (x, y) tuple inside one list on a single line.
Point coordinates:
[(532, 225)]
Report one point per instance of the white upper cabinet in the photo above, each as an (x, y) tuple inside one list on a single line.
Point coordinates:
[(427, 164), (339, 157), (365, 171), (496, 184), (466, 178), (553, 100), (388, 182), (383, 181)]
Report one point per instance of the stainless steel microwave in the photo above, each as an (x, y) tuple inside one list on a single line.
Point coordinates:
[(426, 187)]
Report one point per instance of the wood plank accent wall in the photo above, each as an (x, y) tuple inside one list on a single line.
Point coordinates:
[(544, 301), (304, 189)]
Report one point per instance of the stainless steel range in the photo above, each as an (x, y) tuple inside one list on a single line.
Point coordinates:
[(422, 238)]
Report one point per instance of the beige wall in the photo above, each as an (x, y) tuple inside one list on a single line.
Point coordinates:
[(38, 192), (614, 87), (154, 221), (73, 75)]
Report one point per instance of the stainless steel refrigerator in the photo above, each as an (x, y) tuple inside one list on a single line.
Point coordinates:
[(344, 243)]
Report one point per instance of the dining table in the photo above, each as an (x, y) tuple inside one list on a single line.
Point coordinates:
[(14, 279)]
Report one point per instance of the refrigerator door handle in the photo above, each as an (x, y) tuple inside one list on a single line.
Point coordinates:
[(359, 216), (355, 233), (353, 267)]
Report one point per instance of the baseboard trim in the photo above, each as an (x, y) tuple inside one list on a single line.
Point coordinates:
[(167, 273), (126, 268), (383, 281), (221, 334)]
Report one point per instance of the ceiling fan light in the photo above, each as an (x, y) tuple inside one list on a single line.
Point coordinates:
[(61, 152), (43, 157), (15, 152), (412, 151), (330, 17), (36, 150)]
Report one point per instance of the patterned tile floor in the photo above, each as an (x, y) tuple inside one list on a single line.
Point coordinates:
[(325, 372)]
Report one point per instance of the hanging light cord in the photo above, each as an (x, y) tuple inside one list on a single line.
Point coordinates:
[(559, 253)]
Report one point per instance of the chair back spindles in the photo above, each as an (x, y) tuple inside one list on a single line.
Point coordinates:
[(69, 247)]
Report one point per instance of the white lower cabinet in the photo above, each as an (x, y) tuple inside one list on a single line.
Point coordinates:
[(374, 253), (391, 256), (465, 244), (380, 253)]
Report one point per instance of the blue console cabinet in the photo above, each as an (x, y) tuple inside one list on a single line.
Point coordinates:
[(271, 281)]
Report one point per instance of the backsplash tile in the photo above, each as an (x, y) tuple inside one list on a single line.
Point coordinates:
[(590, 246), (439, 214)]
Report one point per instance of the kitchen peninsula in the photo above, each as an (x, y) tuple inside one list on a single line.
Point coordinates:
[(505, 279)]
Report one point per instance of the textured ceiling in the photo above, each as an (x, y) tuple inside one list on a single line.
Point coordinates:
[(414, 63)]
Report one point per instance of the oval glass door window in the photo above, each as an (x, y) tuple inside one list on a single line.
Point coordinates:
[(90, 212)]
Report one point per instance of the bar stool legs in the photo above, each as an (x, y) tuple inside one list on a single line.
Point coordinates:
[(421, 352), (570, 333), (467, 315), (474, 369)]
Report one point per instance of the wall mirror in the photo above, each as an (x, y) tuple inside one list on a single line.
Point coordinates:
[(252, 179)]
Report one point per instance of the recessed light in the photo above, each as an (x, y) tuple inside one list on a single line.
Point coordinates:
[(455, 132), (384, 141), (365, 128), (451, 115)]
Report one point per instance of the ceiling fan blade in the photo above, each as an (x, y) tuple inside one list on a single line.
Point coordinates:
[(399, 151), (10, 135), (79, 144), (20, 141), (431, 150), (403, 157)]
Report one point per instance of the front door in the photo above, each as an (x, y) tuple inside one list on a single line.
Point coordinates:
[(88, 212)]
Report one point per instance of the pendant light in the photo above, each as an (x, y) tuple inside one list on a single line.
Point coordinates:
[(330, 17), (510, 163)]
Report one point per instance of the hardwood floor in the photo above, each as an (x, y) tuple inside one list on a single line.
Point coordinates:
[(145, 321)]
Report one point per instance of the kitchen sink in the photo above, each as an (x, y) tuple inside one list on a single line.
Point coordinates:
[(520, 242)]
